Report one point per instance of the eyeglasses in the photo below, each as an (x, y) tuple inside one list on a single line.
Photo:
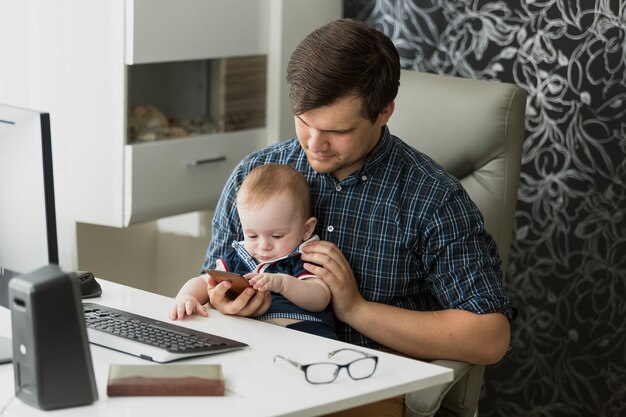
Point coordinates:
[(326, 372)]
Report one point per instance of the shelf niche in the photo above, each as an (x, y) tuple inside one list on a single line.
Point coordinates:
[(187, 98)]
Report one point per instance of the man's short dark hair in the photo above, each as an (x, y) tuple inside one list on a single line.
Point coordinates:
[(344, 57)]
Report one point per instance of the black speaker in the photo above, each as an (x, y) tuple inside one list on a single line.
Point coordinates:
[(51, 356)]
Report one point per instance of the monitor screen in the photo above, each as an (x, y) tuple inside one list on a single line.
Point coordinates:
[(28, 238)]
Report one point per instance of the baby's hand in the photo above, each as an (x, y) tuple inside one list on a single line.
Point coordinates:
[(186, 305), (268, 282)]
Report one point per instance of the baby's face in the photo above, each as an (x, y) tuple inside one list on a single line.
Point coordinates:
[(272, 229)]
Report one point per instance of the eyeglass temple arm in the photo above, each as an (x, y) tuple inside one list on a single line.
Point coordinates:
[(294, 363), (334, 352)]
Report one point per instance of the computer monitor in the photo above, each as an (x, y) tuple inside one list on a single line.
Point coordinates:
[(28, 234)]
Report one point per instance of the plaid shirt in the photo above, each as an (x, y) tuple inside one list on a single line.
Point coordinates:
[(412, 235)]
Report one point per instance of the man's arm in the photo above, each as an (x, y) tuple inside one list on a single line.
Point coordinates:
[(446, 334)]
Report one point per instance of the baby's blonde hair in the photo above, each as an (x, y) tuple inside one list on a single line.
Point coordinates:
[(269, 180)]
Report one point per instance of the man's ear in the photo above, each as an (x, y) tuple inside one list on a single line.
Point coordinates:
[(385, 115), (309, 227)]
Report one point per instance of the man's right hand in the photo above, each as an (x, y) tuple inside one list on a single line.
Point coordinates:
[(249, 303)]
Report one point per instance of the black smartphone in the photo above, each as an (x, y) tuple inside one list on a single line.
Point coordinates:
[(239, 283)]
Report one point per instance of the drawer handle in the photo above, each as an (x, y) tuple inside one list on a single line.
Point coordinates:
[(198, 162)]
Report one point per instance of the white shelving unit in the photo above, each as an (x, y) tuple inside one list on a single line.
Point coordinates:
[(148, 181), (73, 58)]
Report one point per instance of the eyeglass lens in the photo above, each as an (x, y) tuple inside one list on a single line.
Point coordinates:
[(321, 373), (362, 368)]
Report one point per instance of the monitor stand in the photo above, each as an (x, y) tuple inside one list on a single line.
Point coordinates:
[(5, 277), (6, 344), (6, 350)]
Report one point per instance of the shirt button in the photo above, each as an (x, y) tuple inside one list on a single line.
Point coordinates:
[(364, 178), (338, 188), (330, 228)]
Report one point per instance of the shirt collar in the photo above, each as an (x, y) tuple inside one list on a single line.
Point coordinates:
[(380, 151), (377, 156), (252, 264)]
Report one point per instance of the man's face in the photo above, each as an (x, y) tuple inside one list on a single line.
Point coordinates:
[(337, 138)]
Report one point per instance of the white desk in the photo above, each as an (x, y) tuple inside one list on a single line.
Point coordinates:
[(255, 386)]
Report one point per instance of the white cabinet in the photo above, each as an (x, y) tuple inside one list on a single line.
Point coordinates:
[(181, 30), (76, 59), (182, 175), (122, 182)]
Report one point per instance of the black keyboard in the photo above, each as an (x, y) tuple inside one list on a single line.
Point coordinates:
[(149, 338)]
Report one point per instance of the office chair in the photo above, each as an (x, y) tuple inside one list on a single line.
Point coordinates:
[(474, 129)]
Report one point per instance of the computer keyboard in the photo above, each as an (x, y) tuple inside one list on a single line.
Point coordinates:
[(149, 338)]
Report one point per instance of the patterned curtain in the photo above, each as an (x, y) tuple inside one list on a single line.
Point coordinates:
[(567, 271)]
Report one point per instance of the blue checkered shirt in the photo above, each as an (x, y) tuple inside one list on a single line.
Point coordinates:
[(410, 232)]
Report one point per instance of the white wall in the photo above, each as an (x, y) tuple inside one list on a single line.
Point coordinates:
[(121, 255), (42, 68), (156, 256), (31, 35)]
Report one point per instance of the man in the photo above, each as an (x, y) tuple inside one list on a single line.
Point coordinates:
[(403, 248)]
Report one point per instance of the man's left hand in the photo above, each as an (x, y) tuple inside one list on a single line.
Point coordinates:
[(326, 261)]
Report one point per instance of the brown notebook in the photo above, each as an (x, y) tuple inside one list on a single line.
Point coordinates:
[(165, 379)]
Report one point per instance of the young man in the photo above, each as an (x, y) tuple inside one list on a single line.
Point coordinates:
[(403, 248)]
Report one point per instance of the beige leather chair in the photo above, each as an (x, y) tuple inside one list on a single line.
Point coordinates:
[(474, 129)]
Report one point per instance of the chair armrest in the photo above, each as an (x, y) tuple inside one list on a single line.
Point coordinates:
[(456, 398)]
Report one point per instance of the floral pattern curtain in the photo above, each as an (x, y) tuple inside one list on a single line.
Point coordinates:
[(567, 272)]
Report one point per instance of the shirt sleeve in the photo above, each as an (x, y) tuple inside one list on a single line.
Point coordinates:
[(463, 259), (225, 226)]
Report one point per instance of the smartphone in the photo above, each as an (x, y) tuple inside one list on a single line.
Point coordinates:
[(239, 283)]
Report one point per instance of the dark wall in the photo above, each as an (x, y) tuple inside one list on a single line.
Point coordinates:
[(567, 271)]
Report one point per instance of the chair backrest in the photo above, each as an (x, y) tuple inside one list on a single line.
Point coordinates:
[(474, 130)]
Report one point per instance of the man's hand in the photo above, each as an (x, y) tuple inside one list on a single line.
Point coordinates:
[(186, 305), (326, 261), (249, 303)]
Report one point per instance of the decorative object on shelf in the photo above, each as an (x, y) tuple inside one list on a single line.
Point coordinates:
[(148, 123), (192, 126)]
